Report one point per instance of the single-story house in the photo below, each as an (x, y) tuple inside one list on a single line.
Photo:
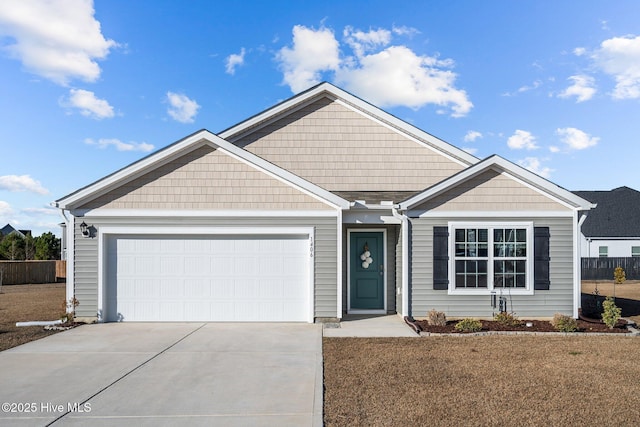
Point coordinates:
[(321, 206), (612, 229)]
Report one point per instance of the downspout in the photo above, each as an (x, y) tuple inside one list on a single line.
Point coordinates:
[(405, 261), (577, 288), (70, 230)]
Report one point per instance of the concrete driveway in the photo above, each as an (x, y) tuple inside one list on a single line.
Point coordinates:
[(155, 374)]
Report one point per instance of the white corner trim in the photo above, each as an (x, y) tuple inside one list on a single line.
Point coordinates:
[(577, 266), (339, 252)]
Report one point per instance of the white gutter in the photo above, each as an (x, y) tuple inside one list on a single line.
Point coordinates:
[(405, 261)]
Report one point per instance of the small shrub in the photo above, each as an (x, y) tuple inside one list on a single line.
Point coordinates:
[(469, 325), (619, 276), (564, 323), (507, 319), (436, 318), (611, 313), (69, 310)]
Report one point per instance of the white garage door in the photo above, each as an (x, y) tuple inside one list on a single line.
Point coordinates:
[(212, 278)]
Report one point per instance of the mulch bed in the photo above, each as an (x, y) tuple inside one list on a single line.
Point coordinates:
[(536, 326)]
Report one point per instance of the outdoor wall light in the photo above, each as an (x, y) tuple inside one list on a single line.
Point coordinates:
[(84, 229)]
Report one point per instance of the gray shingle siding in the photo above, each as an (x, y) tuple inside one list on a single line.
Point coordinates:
[(543, 304), (325, 298)]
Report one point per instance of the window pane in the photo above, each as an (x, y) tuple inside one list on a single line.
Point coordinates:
[(482, 280), (635, 251), (498, 235), (521, 266), (521, 235), (521, 250), (509, 250), (482, 267), (459, 280), (483, 251), (460, 249), (471, 235), (520, 281), (459, 235), (459, 267), (471, 267), (483, 235), (603, 251)]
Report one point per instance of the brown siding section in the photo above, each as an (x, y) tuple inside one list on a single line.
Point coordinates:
[(206, 178), (342, 150), (491, 191)]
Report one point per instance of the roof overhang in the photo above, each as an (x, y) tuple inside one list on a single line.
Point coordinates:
[(182, 147), (327, 89), (501, 165)]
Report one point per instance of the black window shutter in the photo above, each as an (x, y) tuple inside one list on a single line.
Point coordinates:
[(541, 258), (440, 258)]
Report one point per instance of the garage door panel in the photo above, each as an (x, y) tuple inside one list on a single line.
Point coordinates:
[(208, 278)]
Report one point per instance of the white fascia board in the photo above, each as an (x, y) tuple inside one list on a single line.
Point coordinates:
[(182, 147), (489, 214), (168, 213), (514, 171), (131, 171), (362, 107), (199, 230)]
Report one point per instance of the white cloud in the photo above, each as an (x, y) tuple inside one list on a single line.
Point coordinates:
[(582, 88), (579, 51), (88, 104), (57, 40), (362, 42), (233, 61), (619, 57), (386, 75), (535, 165), (20, 183), (554, 149), (104, 143), (40, 211), (522, 139), (470, 150), (5, 210), (312, 52), (576, 139), (526, 88), (472, 135), (181, 108)]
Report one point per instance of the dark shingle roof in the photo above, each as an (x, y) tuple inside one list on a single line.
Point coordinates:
[(617, 213)]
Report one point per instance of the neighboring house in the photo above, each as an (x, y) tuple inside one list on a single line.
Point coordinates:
[(318, 207), (9, 229), (612, 229)]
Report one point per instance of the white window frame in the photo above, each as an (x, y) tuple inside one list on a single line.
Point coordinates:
[(490, 226)]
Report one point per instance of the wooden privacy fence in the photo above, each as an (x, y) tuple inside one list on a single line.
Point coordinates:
[(22, 272), (602, 268)]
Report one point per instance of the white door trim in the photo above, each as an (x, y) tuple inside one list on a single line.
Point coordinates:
[(105, 232), (384, 279)]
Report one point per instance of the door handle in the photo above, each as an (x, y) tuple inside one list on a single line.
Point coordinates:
[(382, 270)]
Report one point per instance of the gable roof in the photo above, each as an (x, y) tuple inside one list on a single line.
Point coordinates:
[(500, 165), (9, 229), (332, 92), (617, 213), (182, 147)]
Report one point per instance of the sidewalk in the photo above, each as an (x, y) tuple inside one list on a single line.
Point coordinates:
[(369, 326)]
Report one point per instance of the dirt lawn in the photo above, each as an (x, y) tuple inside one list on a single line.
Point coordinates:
[(22, 303), (520, 380)]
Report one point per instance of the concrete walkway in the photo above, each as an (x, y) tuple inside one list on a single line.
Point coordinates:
[(369, 326), (166, 374)]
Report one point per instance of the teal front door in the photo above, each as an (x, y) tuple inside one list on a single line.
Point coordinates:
[(366, 270)]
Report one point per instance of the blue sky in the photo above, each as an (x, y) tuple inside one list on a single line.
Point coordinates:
[(89, 87)]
